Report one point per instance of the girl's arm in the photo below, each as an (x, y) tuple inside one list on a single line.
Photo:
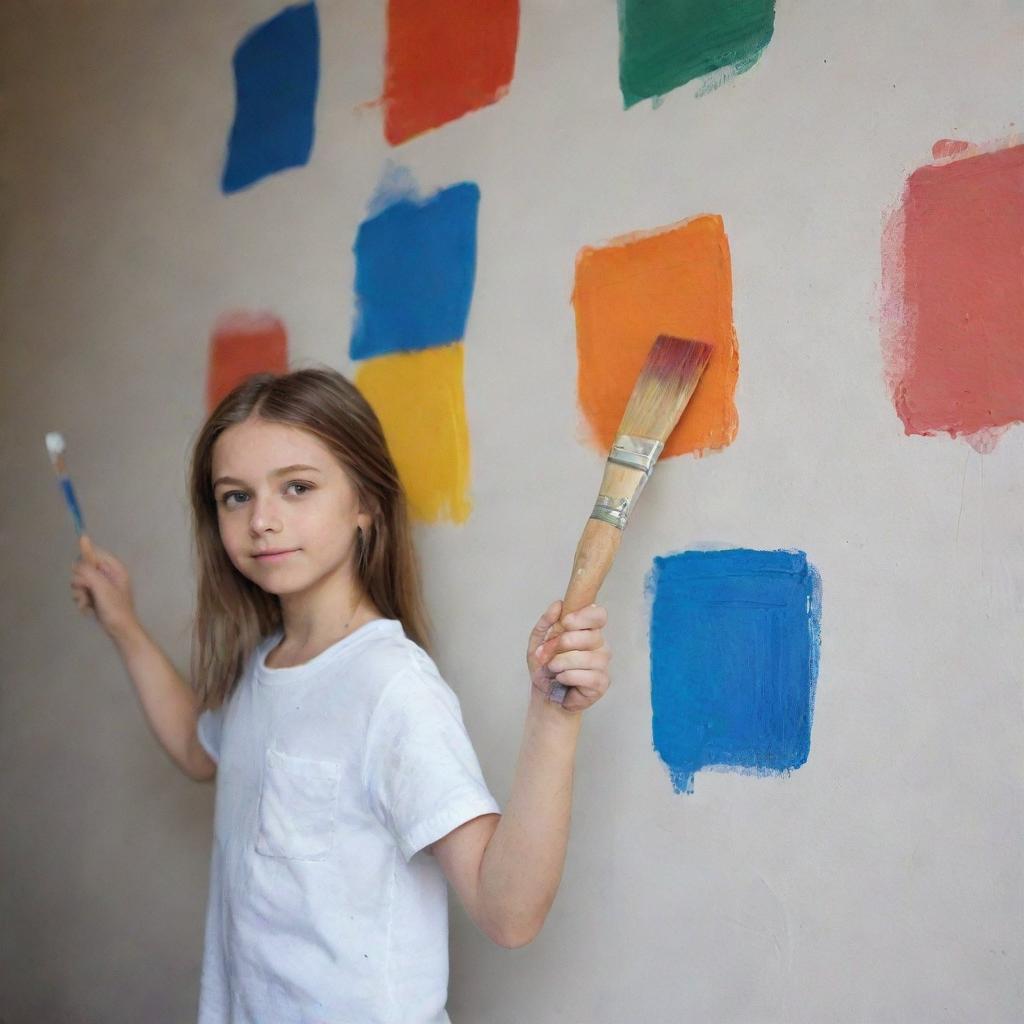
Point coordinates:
[(506, 868), (101, 585), (170, 706)]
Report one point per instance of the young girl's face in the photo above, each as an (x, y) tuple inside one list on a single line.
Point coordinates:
[(279, 489)]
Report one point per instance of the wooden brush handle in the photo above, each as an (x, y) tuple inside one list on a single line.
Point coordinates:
[(90, 556), (594, 556)]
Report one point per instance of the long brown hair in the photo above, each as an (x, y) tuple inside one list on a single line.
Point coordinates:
[(233, 614)]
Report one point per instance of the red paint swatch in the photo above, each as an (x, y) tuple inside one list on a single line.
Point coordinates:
[(953, 284), (242, 344), (444, 59)]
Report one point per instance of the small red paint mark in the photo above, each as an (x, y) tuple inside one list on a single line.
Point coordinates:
[(949, 147), (243, 344)]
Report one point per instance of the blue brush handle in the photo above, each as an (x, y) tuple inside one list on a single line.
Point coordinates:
[(69, 497)]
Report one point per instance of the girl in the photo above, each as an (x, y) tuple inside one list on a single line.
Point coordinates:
[(348, 790)]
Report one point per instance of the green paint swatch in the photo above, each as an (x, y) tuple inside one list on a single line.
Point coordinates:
[(664, 43)]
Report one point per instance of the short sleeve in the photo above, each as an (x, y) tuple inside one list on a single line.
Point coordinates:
[(208, 729), (421, 773)]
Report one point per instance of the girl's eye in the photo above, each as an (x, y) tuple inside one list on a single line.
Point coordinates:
[(227, 496)]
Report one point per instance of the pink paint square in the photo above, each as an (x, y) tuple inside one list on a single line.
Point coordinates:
[(953, 285)]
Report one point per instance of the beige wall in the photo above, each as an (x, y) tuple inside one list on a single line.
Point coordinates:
[(880, 882)]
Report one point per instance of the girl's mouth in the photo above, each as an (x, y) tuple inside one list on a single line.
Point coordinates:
[(275, 556)]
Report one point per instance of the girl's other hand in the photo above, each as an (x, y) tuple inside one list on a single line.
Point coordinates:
[(101, 586), (577, 658)]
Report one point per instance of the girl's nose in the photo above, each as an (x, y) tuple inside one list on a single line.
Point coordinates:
[(263, 517)]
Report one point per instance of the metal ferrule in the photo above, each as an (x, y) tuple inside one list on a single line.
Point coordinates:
[(614, 511), (636, 452)]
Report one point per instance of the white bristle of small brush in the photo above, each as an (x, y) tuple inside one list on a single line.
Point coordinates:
[(55, 444)]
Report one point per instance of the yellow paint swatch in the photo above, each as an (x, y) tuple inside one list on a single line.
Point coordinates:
[(420, 401)]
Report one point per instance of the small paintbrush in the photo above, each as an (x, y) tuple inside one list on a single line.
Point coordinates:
[(55, 446), (662, 389)]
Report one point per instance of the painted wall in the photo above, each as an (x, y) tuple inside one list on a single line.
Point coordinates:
[(802, 798)]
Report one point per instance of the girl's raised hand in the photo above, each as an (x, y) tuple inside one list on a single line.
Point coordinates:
[(577, 658), (100, 584)]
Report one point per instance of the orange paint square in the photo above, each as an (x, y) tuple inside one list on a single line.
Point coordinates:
[(243, 344), (675, 280)]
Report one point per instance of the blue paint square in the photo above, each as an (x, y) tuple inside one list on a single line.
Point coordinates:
[(276, 77), (415, 267), (735, 637)]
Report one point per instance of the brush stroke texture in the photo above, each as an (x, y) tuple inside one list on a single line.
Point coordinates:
[(734, 638), (419, 399), (276, 78), (415, 268), (675, 280), (953, 295), (666, 43), (445, 58)]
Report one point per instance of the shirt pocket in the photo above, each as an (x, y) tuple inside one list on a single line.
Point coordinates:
[(298, 800)]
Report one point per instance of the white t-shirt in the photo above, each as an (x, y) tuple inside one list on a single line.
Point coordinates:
[(331, 776)]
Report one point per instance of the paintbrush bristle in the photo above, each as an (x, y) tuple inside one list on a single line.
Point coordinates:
[(664, 386), (55, 444)]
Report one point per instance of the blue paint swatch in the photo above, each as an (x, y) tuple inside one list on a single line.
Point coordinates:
[(277, 70), (734, 660), (415, 267)]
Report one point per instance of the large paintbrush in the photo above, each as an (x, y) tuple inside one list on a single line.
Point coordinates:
[(665, 384)]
